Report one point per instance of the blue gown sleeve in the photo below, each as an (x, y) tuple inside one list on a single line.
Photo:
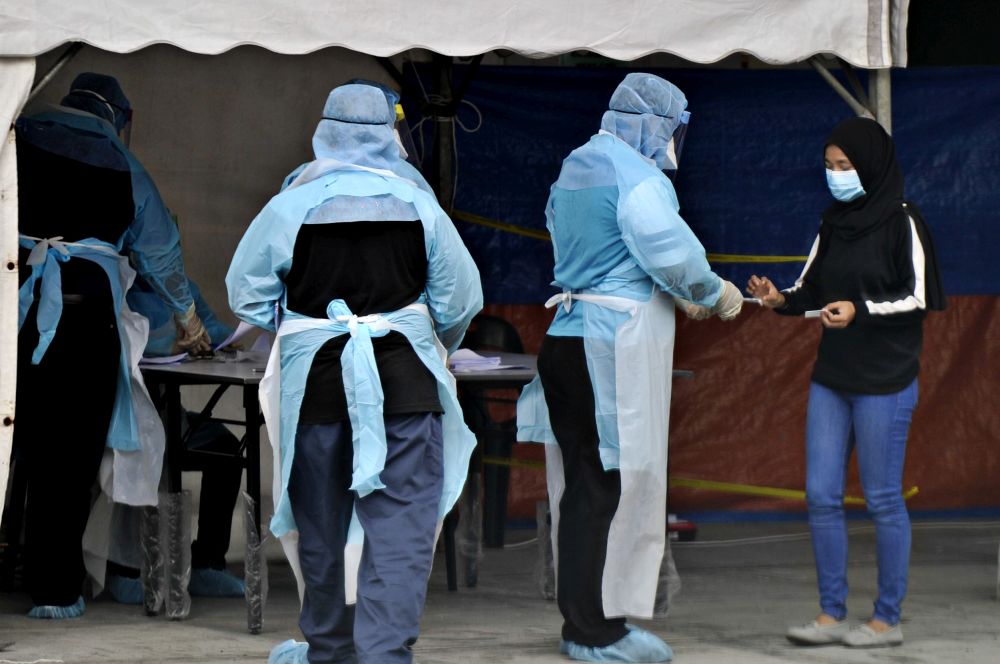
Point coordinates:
[(663, 245), (454, 290), (255, 280), (154, 245)]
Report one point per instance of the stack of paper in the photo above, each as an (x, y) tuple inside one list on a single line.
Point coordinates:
[(466, 360)]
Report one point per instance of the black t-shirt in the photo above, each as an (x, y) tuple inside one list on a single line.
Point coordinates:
[(61, 196), (375, 267)]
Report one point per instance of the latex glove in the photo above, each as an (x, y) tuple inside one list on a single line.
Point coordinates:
[(730, 302), (191, 333), (692, 310)]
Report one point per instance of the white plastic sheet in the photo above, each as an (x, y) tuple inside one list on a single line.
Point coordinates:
[(776, 31), (16, 75)]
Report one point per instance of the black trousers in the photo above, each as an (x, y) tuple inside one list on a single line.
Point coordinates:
[(590, 499), (64, 407)]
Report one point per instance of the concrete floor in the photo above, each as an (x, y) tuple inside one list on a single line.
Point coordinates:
[(737, 599)]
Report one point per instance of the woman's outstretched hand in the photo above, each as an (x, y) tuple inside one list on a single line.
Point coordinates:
[(762, 289)]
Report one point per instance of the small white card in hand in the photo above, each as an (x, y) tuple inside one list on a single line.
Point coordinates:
[(813, 313)]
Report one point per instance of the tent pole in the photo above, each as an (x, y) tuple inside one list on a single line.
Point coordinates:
[(855, 105), (880, 91), (66, 56)]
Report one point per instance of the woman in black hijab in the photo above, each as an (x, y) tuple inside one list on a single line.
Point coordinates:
[(870, 278)]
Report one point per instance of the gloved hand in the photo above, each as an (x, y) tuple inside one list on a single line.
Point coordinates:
[(730, 302), (191, 333), (692, 310)]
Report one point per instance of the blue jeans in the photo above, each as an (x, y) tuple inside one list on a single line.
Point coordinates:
[(876, 425)]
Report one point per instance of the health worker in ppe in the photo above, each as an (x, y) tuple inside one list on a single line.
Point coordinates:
[(220, 465), (368, 285), (401, 166), (88, 214), (602, 397)]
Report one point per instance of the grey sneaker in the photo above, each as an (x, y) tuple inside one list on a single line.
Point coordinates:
[(865, 637), (815, 634)]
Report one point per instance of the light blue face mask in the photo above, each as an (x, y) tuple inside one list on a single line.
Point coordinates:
[(844, 185)]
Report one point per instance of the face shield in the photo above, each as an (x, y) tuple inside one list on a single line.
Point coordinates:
[(407, 149), (676, 146)]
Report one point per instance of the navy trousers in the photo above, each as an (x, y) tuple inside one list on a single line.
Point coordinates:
[(399, 523)]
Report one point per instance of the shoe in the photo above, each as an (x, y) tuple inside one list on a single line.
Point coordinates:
[(289, 652), (125, 590), (58, 612), (208, 582), (865, 637), (815, 634), (637, 646), (564, 647)]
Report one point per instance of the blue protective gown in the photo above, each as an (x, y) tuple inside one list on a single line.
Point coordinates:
[(143, 300), (151, 242), (634, 241), (452, 297)]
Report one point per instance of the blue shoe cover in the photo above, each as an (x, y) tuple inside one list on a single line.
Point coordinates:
[(564, 646), (210, 582), (289, 652), (125, 590), (637, 646), (58, 612)]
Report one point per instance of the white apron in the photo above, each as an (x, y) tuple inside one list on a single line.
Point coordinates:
[(642, 369), (270, 405)]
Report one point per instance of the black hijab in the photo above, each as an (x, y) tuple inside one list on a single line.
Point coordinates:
[(873, 154)]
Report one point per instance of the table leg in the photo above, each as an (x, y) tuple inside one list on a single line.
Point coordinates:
[(255, 569), (174, 442), (450, 523)]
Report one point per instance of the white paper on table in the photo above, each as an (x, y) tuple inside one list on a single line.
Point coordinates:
[(466, 360), (170, 359), (241, 331)]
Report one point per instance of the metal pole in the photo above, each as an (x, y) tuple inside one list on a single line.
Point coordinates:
[(855, 105), (880, 92), (66, 56), (445, 126)]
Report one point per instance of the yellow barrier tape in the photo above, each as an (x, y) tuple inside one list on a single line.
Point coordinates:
[(542, 235), (768, 491), (514, 463), (749, 258), (500, 225), (725, 487)]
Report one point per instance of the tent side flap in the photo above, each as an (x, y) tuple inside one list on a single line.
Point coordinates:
[(16, 75), (776, 31)]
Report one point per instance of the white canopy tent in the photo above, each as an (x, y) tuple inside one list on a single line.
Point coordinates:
[(869, 34)]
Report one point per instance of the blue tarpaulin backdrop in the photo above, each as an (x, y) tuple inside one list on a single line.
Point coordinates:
[(751, 179)]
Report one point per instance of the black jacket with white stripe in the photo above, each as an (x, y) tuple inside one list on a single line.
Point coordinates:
[(884, 273)]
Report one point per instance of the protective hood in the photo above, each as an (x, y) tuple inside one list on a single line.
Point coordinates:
[(645, 110), (357, 128), (99, 95)]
